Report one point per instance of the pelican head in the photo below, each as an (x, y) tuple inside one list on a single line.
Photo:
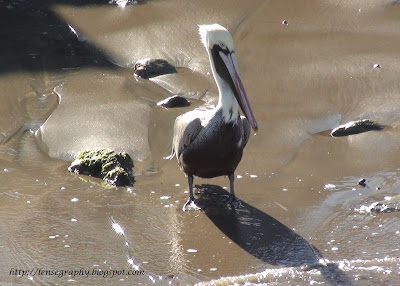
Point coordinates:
[(219, 45)]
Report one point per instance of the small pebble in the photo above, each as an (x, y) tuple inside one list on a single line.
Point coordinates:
[(378, 188), (174, 101), (284, 22), (376, 66), (361, 182)]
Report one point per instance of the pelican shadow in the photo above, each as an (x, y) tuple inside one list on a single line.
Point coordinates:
[(264, 237)]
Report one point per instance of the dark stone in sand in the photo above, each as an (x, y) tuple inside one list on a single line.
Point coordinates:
[(123, 3), (115, 168), (387, 206), (148, 68), (356, 127), (174, 101), (361, 182)]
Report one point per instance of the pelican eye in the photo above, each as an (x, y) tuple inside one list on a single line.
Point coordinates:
[(222, 45)]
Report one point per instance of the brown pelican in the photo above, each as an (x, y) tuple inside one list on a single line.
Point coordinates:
[(209, 142)]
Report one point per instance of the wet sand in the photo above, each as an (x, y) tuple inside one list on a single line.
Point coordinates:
[(304, 218)]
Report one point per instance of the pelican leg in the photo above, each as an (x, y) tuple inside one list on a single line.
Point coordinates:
[(232, 200), (231, 185), (191, 203)]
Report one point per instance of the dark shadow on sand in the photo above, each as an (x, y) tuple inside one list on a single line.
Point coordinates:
[(265, 237), (34, 38)]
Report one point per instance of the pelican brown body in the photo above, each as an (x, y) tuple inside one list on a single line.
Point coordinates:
[(209, 142)]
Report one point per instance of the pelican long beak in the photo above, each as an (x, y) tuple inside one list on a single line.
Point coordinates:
[(240, 94)]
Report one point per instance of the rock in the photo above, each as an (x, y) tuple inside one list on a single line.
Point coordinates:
[(361, 182), (356, 127), (376, 66), (123, 3), (174, 101), (148, 68), (284, 22), (115, 168), (392, 204)]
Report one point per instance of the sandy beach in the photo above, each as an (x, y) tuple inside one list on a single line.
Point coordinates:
[(67, 84)]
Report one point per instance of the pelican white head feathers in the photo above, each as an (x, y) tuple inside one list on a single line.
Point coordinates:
[(219, 45), (215, 34)]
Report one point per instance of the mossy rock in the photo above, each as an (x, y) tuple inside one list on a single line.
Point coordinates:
[(115, 168)]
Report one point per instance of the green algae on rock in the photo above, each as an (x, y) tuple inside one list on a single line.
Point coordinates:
[(356, 127), (115, 168)]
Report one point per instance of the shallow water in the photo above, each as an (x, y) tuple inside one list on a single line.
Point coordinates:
[(303, 218)]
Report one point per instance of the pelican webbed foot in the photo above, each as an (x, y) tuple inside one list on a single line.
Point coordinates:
[(233, 202), (190, 205)]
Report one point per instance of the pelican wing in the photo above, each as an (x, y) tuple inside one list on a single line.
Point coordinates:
[(186, 129)]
